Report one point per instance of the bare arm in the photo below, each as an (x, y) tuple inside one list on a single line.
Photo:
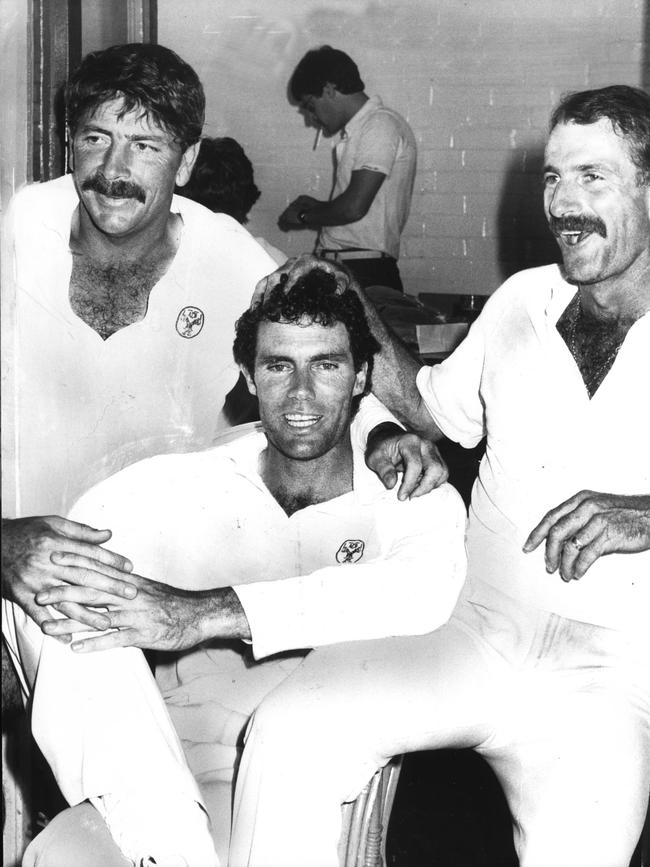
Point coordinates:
[(160, 617), (350, 206)]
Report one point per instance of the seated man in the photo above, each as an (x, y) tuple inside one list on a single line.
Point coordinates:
[(281, 541)]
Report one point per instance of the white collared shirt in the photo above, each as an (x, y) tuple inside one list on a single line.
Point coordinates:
[(359, 566), (379, 139), (79, 407), (514, 380)]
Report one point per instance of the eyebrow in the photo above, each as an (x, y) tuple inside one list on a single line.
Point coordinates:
[(581, 168), (93, 127), (323, 356)]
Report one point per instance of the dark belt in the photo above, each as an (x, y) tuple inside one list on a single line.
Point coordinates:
[(353, 253)]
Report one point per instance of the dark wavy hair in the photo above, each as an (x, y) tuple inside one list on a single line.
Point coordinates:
[(321, 65), (222, 179), (313, 299), (150, 78), (627, 109)]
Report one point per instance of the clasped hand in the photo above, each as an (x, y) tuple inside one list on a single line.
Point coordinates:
[(588, 526), (159, 616)]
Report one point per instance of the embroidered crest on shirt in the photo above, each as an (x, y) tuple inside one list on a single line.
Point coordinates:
[(350, 551), (190, 322)]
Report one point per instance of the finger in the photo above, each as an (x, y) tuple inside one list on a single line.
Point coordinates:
[(589, 554), (80, 569), (435, 470), (411, 475), (540, 532), (383, 468), (83, 615), (103, 555), (75, 594), (119, 638), (432, 478), (63, 627)]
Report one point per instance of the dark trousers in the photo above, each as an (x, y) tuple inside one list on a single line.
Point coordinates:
[(376, 272)]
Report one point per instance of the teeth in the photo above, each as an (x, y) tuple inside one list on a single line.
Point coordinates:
[(572, 238), (301, 420)]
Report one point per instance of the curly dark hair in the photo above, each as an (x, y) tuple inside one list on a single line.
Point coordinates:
[(320, 66), (313, 299), (222, 179), (147, 77), (627, 109)]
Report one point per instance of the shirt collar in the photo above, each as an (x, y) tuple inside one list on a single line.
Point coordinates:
[(371, 104)]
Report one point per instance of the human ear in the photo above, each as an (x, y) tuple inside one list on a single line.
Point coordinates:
[(250, 382), (187, 164), (360, 379)]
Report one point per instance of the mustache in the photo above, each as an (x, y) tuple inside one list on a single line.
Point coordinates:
[(116, 189), (577, 223)]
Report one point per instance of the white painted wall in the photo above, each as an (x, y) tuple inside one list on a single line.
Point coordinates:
[(475, 78)]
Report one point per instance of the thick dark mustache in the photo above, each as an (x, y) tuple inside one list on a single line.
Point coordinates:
[(116, 189), (577, 223)]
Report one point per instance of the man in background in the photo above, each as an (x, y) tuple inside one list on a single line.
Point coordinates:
[(223, 181), (362, 222)]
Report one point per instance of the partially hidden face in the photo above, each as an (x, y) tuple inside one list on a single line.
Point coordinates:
[(305, 381), (594, 203), (125, 169)]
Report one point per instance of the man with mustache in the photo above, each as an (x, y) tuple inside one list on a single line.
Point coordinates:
[(544, 667)]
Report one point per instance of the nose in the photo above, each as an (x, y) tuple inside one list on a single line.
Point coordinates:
[(563, 199), (116, 161), (302, 387)]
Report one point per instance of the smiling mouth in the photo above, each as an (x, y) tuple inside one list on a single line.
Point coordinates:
[(572, 239), (301, 419)]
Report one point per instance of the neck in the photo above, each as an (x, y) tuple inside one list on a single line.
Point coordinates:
[(354, 102), (158, 240), (296, 484), (620, 299)]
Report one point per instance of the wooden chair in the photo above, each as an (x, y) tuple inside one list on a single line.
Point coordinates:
[(365, 821)]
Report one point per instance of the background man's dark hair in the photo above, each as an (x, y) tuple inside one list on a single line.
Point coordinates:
[(628, 110), (321, 65), (150, 78), (313, 298), (222, 179)]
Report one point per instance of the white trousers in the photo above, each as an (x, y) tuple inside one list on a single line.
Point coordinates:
[(559, 709)]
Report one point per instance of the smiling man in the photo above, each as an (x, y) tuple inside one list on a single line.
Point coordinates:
[(282, 538), (544, 666)]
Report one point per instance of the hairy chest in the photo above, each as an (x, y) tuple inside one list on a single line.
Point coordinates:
[(108, 297)]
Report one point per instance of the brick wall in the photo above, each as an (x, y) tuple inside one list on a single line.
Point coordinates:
[(476, 80)]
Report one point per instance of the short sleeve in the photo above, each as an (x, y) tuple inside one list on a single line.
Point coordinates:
[(378, 145)]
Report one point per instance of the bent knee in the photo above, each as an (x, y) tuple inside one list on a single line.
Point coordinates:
[(77, 837)]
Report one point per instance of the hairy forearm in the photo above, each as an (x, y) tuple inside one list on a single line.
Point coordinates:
[(220, 614), (394, 374)]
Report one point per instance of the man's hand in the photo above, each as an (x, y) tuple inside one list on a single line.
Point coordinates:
[(289, 217), (390, 451), (31, 561), (160, 617), (296, 268), (588, 526)]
